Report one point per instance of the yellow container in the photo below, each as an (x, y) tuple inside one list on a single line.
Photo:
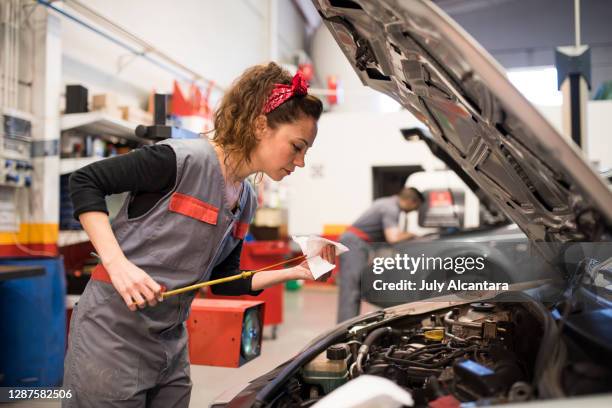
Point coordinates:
[(334, 229)]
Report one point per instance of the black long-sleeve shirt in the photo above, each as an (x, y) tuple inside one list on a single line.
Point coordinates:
[(149, 173)]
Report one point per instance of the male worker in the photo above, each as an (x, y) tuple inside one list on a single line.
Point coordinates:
[(378, 224)]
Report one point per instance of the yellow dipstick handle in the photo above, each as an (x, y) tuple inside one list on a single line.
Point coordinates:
[(242, 275)]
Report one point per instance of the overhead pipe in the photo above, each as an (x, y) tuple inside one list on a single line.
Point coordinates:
[(272, 29), (10, 15), (574, 80), (577, 22), (147, 48), (17, 30), (5, 53)]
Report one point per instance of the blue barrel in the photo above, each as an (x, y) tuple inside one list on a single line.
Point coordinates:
[(33, 326)]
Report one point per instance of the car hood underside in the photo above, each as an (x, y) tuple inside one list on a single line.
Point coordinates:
[(411, 51)]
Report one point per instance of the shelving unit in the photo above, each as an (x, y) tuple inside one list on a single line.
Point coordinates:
[(97, 124), (68, 166), (100, 123)]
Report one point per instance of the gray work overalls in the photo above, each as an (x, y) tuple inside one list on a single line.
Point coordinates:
[(135, 359), (367, 229), (352, 264)]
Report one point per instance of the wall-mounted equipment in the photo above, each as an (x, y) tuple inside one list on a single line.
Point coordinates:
[(159, 130), (15, 149)]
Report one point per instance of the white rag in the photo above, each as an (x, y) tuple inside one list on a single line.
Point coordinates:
[(311, 246), (367, 391)]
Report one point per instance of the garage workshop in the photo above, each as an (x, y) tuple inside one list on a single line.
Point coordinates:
[(305, 203)]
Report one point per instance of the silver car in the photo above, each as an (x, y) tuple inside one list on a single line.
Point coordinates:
[(537, 340)]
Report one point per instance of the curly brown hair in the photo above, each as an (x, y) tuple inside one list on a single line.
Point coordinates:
[(243, 102)]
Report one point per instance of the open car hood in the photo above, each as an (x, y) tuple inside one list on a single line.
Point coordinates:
[(495, 216), (413, 52)]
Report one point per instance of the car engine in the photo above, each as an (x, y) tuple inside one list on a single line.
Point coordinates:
[(492, 353)]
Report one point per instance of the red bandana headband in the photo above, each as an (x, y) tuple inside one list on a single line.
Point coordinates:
[(282, 92)]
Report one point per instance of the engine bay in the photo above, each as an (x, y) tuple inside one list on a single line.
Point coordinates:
[(483, 352)]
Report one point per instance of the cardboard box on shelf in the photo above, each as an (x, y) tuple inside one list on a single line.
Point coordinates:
[(107, 103), (104, 101), (270, 217), (269, 233), (136, 115), (270, 224)]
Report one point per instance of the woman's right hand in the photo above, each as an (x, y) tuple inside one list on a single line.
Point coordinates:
[(134, 285)]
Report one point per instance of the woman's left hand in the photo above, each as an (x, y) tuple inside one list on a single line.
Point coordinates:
[(328, 253)]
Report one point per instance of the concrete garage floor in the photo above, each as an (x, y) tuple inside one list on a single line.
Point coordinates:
[(308, 312)]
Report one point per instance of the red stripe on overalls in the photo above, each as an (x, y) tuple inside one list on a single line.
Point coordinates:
[(179, 203), (359, 233), (240, 230), (194, 208), (100, 273)]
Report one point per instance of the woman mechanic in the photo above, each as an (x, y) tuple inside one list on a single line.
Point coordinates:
[(184, 221)]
